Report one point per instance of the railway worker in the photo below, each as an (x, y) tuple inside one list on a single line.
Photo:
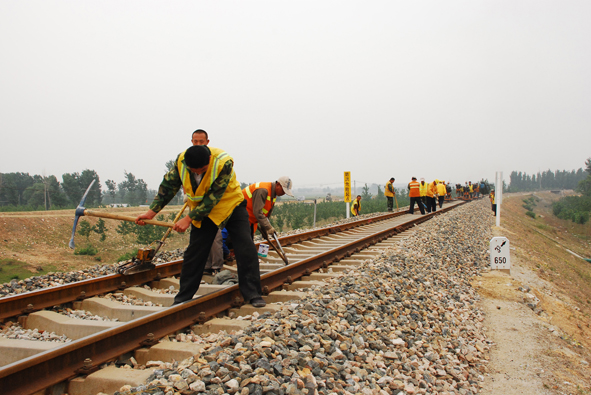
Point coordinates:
[(215, 260), (414, 193), (389, 192), (423, 190), (215, 202), (448, 191), (493, 202), (432, 196), (260, 200), (356, 206), (470, 189), (441, 191)]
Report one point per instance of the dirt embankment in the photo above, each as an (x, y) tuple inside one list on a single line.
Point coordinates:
[(37, 242), (543, 349)]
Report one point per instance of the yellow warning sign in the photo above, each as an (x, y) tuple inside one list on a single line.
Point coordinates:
[(347, 187)]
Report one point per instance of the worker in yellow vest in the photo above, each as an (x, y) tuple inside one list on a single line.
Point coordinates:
[(414, 193), (493, 202), (441, 191), (431, 196), (356, 206), (389, 192), (260, 200), (423, 187), (215, 202)]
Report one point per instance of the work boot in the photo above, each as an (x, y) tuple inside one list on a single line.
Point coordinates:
[(258, 302)]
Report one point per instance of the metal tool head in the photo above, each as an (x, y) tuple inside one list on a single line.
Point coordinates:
[(79, 213)]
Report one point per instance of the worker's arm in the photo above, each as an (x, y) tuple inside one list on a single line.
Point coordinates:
[(259, 198)]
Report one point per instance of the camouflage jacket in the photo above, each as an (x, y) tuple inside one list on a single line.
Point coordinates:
[(171, 183)]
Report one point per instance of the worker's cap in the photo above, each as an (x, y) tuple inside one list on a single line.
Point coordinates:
[(414, 178), (436, 181), (392, 178), (286, 184), (422, 179), (197, 156)]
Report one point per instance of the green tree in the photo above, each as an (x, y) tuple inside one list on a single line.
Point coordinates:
[(100, 229), (365, 195), (84, 229)]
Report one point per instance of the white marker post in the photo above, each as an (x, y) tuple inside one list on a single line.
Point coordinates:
[(500, 254), (347, 190), (498, 194)]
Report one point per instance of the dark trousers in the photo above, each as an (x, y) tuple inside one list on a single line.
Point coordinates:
[(431, 204), (425, 203), (416, 200), (441, 198), (494, 209), (195, 257), (390, 202)]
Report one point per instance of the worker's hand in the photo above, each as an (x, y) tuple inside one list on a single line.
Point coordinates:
[(271, 232), (182, 225), (150, 214)]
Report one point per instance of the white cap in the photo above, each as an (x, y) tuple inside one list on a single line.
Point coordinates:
[(285, 182)]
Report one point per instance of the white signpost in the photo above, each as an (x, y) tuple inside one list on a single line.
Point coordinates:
[(500, 254), (498, 195)]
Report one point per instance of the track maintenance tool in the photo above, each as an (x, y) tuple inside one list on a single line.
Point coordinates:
[(82, 211), (279, 250), (143, 261)]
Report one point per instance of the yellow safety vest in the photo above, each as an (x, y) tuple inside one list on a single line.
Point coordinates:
[(232, 196), (387, 192), (423, 188), (355, 203)]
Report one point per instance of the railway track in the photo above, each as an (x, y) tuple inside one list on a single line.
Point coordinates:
[(324, 252)]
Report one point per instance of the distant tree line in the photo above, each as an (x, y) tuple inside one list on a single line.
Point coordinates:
[(576, 208), (523, 182), (25, 192)]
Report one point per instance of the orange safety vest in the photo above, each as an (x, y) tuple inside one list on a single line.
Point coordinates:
[(414, 189), (247, 193)]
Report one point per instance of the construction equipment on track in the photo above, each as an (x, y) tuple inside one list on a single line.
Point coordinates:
[(143, 261)]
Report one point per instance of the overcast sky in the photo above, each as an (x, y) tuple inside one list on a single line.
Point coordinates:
[(454, 90)]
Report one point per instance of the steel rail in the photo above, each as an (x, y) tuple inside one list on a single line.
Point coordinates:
[(83, 356), (28, 302)]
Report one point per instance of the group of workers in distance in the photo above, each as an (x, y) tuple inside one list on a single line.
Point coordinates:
[(469, 190), (216, 201)]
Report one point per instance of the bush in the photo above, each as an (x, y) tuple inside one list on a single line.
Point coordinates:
[(88, 250), (531, 214), (127, 256)]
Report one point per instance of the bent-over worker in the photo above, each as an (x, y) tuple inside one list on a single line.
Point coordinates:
[(260, 200), (356, 206), (215, 202)]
